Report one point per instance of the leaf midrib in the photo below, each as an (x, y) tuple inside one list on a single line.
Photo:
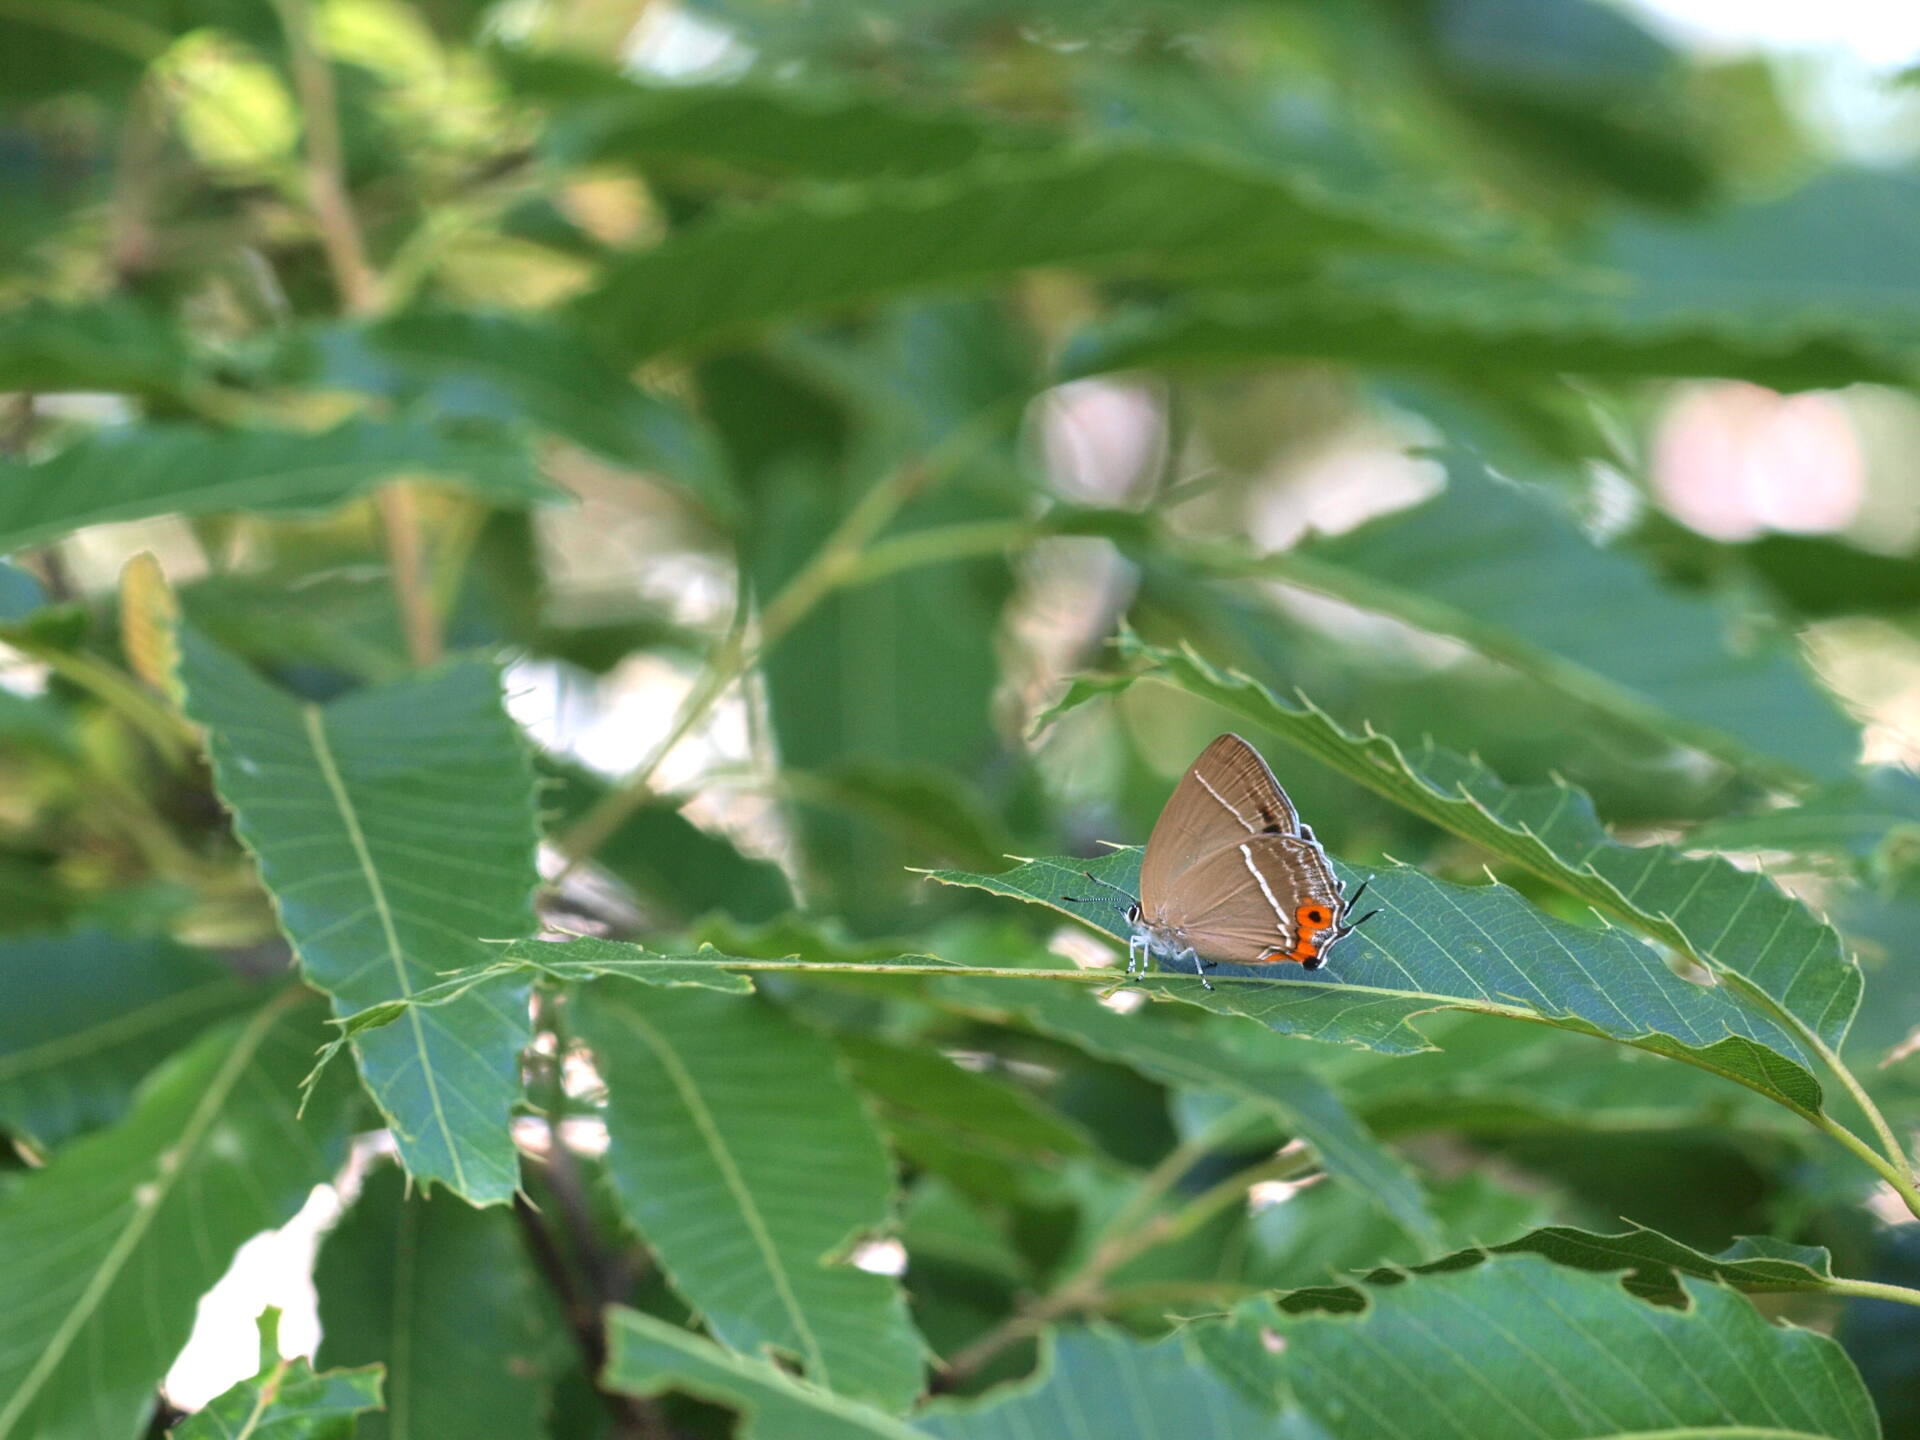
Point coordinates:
[(314, 721), (689, 1093), (215, 1097), (150, 1016)]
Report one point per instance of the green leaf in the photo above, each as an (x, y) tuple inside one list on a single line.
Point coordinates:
[(1873, 813), (1516, 332), (395, 832), (92, 1013), (105, 1253), (898, 674), (984, 1133), (1096, 1382), (1653, 1262), (1521, 1347), (507, 368), (664, 856), (286, 1400), (598, 115), (1129, 208), (1577, 87), (746, 1161), (143, 470), (1735, 922), (646, 1356), (1436, 946), (1792, 293), (1189, 1058), (586, 957), (1316, 1236), (1502, 568), (444, 1297), (110, 345)]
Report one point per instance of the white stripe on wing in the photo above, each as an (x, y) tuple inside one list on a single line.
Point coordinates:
[(1246, 853), (1251, 828)]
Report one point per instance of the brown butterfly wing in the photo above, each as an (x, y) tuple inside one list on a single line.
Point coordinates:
[(1228, 913), (1228, 795)]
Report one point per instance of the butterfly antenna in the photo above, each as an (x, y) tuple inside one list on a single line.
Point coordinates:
[(1361, 921), (1354, 899), (1080, 899)]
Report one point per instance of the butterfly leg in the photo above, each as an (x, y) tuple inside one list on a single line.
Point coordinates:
[(1194, 955)]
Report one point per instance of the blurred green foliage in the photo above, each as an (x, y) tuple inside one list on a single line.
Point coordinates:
[(673, 474)]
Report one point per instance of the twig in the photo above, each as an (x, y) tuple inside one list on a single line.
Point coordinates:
[(594, 1278), (346, 251), (1129, 1235), (836, 564), (359, 288), (400, 519)]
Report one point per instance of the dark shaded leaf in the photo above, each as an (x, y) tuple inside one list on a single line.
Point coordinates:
[(92, 1013), (443, 1296), (111, 345), (1302, 1104), (665, 857), (599, 115)]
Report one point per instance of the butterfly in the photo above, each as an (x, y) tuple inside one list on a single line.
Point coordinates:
[(1231, 874)]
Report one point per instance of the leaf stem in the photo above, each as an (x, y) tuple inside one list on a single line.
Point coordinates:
[(1873, 1290), (171, 734), (837, 563), (400, 520), (1902, 1178), (1894, 1173), (1131, 1234), (340, 238)]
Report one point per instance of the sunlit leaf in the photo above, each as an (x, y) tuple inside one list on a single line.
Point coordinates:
[(286, 1400), (1439, 946), (1734, 921), (745, 1159), (444, 1297), (105, 1253), (91, 1014), (395, 832)]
